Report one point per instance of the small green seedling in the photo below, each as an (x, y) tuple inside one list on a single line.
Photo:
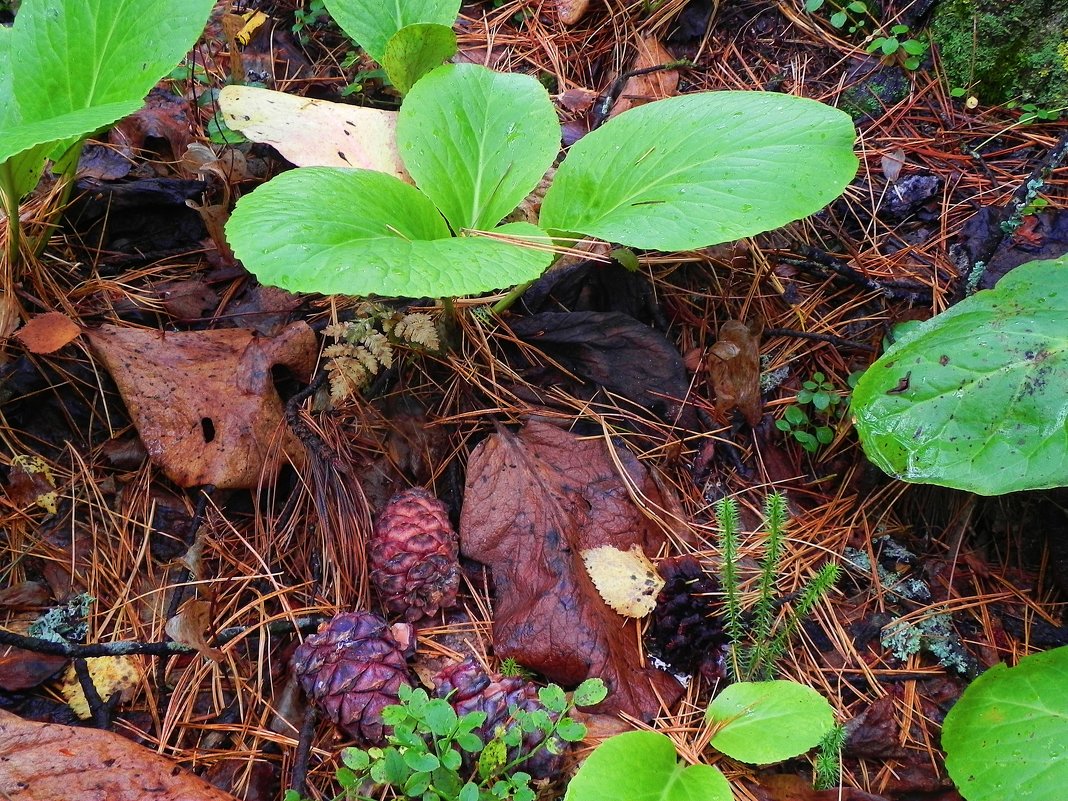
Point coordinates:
[(429, 746), (1007, 735), (900, 47), (813, 431), (71, 67), (757, 641), (851, 17), (755, 722), (974, 397)]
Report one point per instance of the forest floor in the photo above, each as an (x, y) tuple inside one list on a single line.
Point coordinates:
[(968, 581)]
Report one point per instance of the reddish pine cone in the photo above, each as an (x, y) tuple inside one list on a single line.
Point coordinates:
[(685, 629), (414, 556), (469, 688), (352, 668)]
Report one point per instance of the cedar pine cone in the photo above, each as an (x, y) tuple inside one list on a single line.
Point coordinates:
[(685, 629), (414, 556), (353, 668), (469, 688)]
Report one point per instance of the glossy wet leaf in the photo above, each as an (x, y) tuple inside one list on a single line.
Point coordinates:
[(1007, 736), (974, 398), (372, 23), (643, 766), (78, 65), (477, 141), (761, 722), (415, 50), (696, 170), (376, 236)]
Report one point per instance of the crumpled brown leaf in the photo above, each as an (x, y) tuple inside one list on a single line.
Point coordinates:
[(49, 762), (617, 352), (734, 362), (533, 502), (791, 787), (204, 402), (190, 624), (642, 89)]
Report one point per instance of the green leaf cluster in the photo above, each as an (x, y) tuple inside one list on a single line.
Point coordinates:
[(71, 67), (974, 397), (433, 754), (677, 174), (1007, 735), (755, 722), (821, 395)]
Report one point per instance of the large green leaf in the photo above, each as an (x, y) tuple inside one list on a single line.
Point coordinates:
[(477, 141), (975, 398), (761, 722), (696, 170), (360, 232), (78, 65), (1007, 736), (643, 766), (372, 23), (414, 51)]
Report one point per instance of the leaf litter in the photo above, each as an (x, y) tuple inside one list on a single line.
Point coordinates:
[(284, 549)]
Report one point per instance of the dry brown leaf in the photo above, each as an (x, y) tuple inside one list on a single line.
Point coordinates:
[(734, 362), (652, 86), (49, 762), (204, 402), (534, 502), (315, 133), (189, 625), (47, 333), (571, 11)]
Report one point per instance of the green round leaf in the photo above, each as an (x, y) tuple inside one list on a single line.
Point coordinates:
[(696, 170), (974, 398), (768, 721), (358, 232), (477, 141), (643, 766), (1007, 736), (372, 23), (415, 50), (590, 692), (552, 698)]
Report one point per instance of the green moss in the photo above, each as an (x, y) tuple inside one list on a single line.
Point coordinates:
[(869, 98), (1005, 51)]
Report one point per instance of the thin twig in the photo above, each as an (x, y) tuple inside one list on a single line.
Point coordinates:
[(829, 338), (165, 648)]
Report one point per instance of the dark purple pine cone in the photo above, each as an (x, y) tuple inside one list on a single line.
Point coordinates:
[(414, 556), (685, 629), (478, 691), (352, 668)]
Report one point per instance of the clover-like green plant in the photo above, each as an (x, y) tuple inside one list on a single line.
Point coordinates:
[(1007, 735), (433, 754), (71, 67), (974, 398), (755, 722), (677, 174)]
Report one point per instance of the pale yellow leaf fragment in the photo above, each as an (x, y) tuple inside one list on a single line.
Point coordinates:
[(315, 133), (626, 580)]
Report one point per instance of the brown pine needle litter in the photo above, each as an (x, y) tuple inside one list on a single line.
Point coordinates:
[(293, 549)]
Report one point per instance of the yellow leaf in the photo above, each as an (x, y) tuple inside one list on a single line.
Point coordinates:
[(110, 675), (315, 133), (627, 580)]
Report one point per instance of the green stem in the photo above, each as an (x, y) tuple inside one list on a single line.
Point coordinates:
[(11, 209), (513, 295), (67, 177)]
